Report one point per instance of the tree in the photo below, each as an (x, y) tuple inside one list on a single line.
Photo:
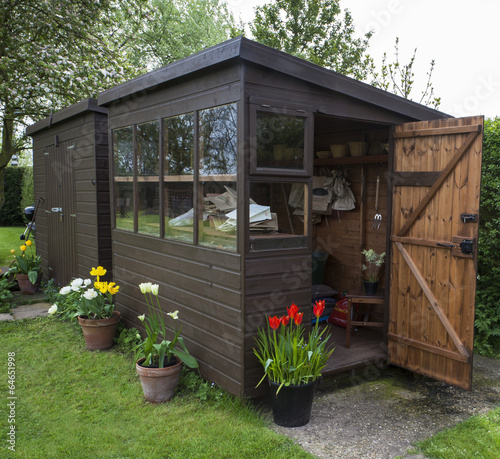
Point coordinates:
[(312, 30), (174, 29), (54, 53), (398, 78)]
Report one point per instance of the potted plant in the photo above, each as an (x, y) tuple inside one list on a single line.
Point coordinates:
[(159, 364), (26, 268), (292, 362), (372, 270), (95, 309)]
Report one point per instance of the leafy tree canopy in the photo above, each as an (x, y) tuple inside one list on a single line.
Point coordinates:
[(314, 30)]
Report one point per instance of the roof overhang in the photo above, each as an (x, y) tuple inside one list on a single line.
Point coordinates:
[(241, 49)]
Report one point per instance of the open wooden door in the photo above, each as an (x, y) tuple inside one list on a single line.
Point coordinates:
[(435, 179)]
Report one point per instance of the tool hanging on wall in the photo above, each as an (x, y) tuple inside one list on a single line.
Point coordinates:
[(377, 220)]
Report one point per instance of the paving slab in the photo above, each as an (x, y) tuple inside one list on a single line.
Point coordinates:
[(4, 317), (31, 310)]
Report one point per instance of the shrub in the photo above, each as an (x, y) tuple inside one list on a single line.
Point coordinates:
[(11, 213), (487, 324)]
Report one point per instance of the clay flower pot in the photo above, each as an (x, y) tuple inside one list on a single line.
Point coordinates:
[(99, 333), (158, 384), (25, 285)]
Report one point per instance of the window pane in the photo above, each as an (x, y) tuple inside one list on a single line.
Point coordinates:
[(277, 215), (123, 155), (178, 181), (218, 148), (148, 185), (280, 140)]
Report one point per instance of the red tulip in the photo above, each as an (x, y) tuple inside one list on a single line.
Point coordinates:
[(274, 322), (298, 318), (319, 308), (292, 310), (285, 320)]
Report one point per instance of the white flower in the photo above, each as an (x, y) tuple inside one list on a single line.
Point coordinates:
[(141, 318), (174, 315), (75, 288), (138, 336), (154, 289), (87, 282), (65, 290), (76, 283), (53, 309), (90, 294), (145, 287)]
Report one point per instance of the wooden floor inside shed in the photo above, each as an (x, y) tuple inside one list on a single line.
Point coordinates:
[(367, 347)]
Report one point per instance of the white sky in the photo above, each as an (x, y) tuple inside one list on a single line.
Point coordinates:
[(460, 35)]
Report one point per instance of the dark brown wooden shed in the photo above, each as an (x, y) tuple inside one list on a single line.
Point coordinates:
[(71, 175), (214, 197)]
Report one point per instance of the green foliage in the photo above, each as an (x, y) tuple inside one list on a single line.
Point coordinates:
[(6, 298), (28, 188), (487, 338), (398, 78), (11, 213), (127, 339), (313, 30), (27, 263)]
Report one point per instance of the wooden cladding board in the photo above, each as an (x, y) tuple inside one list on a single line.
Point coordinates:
[(345, 234), (431, 326), (204, 285)]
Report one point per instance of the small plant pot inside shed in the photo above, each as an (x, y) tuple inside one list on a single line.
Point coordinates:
[(370, 288), (292, 405), (25, 285), (99, 333), (158, 384)]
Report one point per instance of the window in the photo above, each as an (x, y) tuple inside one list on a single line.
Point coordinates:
[(217, 177), (124, 178), (148, 185), (280, 139), (194, 202), (178, 144), (278, 215)]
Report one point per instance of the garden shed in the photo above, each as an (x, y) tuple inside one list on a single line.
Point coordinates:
[(220, 171), (71, 175)]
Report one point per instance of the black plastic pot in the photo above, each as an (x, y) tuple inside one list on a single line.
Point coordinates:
[(292, 405), (370, 287)]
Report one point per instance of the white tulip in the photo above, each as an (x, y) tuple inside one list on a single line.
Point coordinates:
[(53, 309), (65, 290)]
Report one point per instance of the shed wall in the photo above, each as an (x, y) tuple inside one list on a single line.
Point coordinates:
[(203, 284), (88, 160)]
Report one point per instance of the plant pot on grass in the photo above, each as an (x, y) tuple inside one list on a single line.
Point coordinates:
[(158, 384), (99, 334)]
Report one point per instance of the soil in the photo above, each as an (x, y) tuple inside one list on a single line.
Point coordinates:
[(383, 411)]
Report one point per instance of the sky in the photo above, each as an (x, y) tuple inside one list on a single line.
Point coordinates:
[(460, 35)]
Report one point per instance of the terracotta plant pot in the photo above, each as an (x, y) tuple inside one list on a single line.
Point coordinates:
[(25, 285), (292, 405), (99, 333), (158, 384)]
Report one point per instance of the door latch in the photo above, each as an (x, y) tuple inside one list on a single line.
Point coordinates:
[(468, 218), (467, 246), (56, 209)]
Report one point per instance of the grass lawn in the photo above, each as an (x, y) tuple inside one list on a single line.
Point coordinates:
[(10, 239), (479, 437), (75, 403)]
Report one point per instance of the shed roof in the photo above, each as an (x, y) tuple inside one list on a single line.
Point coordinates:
[(241, 49), (65, 114)]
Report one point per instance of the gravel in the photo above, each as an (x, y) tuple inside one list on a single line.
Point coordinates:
[(381, 412)]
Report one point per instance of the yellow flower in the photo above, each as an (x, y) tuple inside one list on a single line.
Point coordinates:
[(28, 243), (23, 248), (101, 286), (12, 251), (111, 289), (98, 272)]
